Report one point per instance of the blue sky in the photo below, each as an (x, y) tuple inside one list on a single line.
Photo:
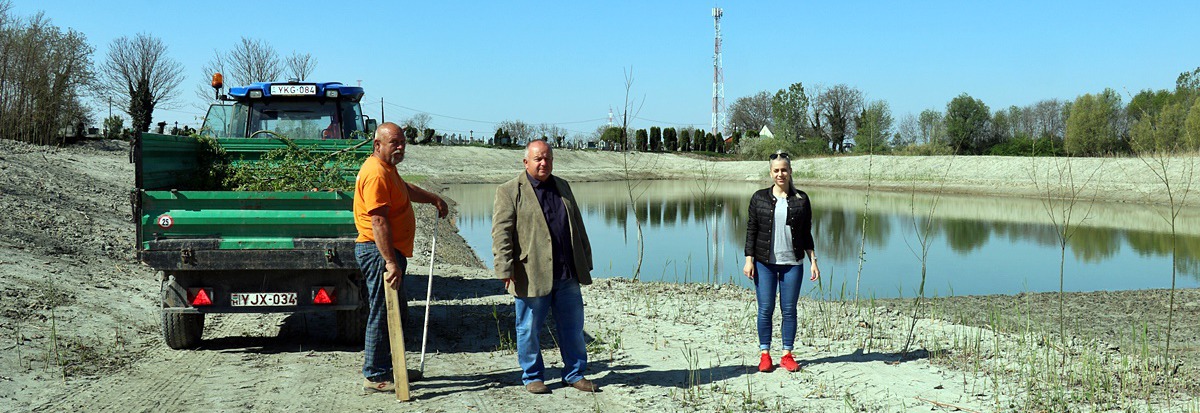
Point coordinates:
[(471, 64)]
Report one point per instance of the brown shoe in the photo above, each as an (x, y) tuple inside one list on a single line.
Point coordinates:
[(585, 385), (378, 386), (537, 387)]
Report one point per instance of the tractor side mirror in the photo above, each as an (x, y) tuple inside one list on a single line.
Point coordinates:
[(370, 125)]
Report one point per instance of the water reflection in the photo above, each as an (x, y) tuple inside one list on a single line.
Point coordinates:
[(694, 231)]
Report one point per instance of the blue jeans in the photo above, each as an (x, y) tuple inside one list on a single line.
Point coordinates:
[(566, 301), (786, 279), (377, 349)]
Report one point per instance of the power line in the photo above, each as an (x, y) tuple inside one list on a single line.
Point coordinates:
[(492, 122), (579, 121), (664, 122), (438, 115)]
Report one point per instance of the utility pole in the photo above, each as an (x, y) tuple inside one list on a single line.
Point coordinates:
[(382, 116)]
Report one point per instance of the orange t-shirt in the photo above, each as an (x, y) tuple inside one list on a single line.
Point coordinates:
[(377, 185)]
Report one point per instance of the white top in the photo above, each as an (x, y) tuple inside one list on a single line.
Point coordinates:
[(782, 252)]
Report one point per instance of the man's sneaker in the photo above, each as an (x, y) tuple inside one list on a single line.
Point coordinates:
[(765, 364), (788, 363), (378, 386)]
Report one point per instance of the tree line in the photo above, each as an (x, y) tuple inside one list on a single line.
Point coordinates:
[(46, 74), (824, 120)]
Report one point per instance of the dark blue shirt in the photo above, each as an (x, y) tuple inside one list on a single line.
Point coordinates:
[(555, 212)]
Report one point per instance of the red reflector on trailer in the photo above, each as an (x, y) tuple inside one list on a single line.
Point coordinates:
[(200, 296), (322, 297)]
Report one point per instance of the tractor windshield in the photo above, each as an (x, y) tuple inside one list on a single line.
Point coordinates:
[(293, 118)]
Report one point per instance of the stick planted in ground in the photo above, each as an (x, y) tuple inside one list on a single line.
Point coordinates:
[(634, 184), (862, 245), (706, 186), (924, 234), (1061, 193), (1177, 180)]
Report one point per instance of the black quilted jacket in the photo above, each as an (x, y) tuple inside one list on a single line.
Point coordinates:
[(760, 223)]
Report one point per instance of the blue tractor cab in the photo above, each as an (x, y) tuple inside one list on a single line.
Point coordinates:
[(297, 110)]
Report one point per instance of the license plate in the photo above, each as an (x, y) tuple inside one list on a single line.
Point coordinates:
[(262, 299), (293, 90)]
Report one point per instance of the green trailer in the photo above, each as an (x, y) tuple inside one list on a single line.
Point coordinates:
[(223, 251), (242, 252)]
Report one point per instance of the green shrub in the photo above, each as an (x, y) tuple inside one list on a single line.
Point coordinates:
[(214, 166), (1025, 146), (761, 148), (113, 126), (924, 149)]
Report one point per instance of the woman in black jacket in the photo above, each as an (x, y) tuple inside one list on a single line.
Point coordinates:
[(778, 237)]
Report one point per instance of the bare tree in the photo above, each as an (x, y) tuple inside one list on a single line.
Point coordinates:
[(1177, 174), (837, 106), (923, 227), (5, 6), (250, 61), (1050, 118), (909, 131), (299, 66), (751, 113), (599, 132), (419, 121), (253, 60), (1062, 191), (1018, 122), (520, 131), (634, 185), (139, 70), (932, 126), (816, 126), (551, 133), (204, 90)]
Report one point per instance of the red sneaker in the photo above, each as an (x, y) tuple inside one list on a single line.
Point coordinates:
[(765, 364), (788, 363)]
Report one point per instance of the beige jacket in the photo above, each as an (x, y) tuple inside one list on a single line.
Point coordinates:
[(521, 238)]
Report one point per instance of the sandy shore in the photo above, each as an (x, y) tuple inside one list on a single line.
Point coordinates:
[(79, 316)]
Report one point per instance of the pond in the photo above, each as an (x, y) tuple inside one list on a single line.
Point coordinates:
[(694, 231)]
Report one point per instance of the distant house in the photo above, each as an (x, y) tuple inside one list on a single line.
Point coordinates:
[(765, 132)]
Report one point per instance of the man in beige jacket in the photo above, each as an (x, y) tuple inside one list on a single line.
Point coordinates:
[(543, 255)]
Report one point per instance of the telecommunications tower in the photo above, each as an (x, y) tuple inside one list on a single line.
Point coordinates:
[(718, 104)]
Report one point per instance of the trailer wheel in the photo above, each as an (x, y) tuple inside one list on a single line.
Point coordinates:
[(182, 331), (352, 325)]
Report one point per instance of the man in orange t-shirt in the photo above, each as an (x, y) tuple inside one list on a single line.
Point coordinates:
[(383, 215)]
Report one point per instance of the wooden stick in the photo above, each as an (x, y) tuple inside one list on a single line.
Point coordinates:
[(947, 405), (396, 337)]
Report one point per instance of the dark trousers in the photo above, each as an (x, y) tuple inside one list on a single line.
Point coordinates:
[(377, 349)]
